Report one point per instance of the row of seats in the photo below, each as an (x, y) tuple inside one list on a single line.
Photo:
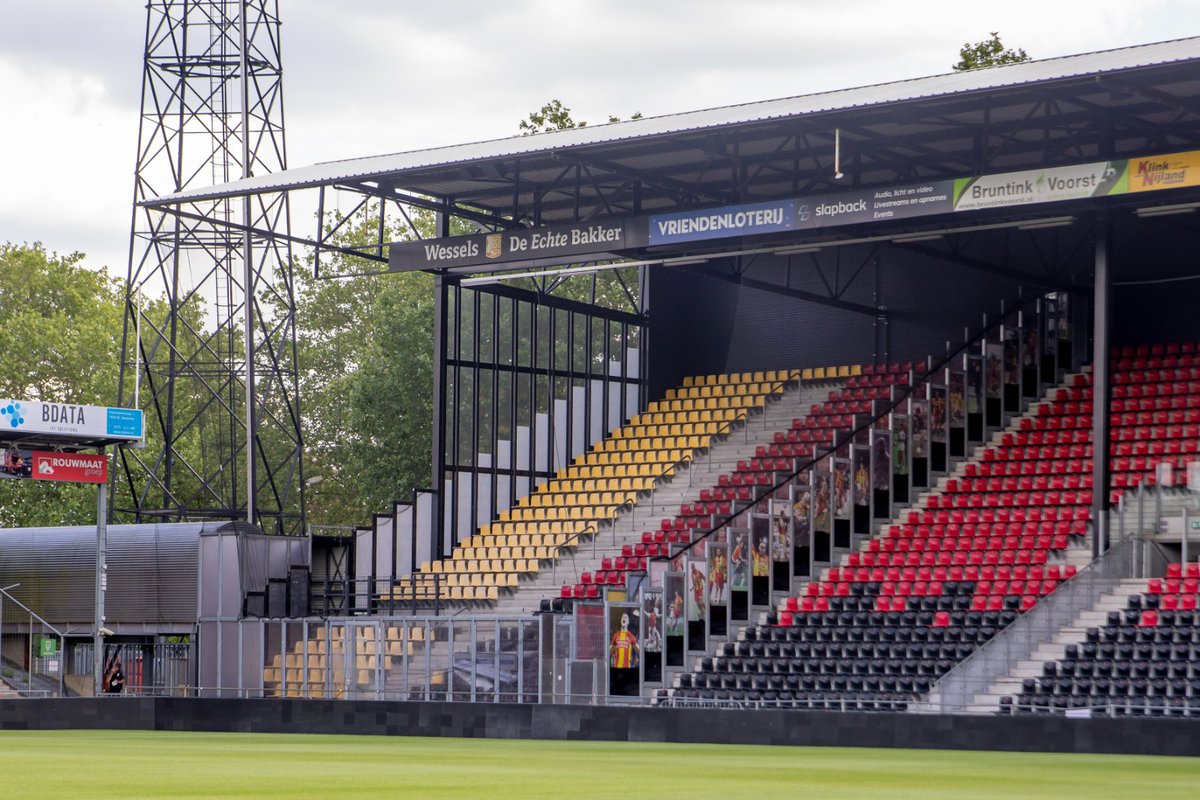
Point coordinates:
[(760, 473), (931, 581), (768, 376), (1154, 349), (629, 462), (1145, 657)]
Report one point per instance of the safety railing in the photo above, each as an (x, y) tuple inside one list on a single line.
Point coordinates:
[(32, 659), (958, 689)]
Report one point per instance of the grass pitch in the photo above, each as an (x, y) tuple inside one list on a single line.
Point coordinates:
[(143, 764)]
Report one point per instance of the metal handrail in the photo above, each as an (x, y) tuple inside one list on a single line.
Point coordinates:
[(849, 437)]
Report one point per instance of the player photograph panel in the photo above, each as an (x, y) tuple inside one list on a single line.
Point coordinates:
[(652, 636), (919, 428), (975, 400), (697, 634), (822, 503), (781, 544), (1012, 354), (1030, 355), (675, 624), (739, 573), (881, 473), (860, 488), (956, 387), (841, 488), (802, 524), (974, 385), (760, 559), (739, 559), (624, 650), (993, 361), (937, 415), (718, 587)]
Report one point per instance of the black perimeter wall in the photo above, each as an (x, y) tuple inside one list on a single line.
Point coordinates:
[(1143, 736)]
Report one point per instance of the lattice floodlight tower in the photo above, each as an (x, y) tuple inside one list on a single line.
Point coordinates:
[(208, 306)]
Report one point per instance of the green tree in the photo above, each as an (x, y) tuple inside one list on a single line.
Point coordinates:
[(62, 324), (988, 53), (554, 116)]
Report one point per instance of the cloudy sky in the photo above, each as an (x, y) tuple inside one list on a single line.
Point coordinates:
[(364, 77)]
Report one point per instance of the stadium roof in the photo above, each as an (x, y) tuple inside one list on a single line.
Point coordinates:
[(1133, 82)]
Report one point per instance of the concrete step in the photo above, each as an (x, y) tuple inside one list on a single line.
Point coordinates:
[(1074, 632)]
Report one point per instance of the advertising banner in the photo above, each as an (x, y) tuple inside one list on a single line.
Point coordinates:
[(607, 239), (41, 465), (588, 241), (721, 223), (25, 417)]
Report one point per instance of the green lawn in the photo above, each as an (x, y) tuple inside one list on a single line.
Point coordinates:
[(101, 764)]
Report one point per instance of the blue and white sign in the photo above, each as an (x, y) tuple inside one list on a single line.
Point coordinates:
[(123, 422), (721, 223), (25, 417)]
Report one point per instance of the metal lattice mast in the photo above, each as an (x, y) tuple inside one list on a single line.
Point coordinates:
[(217, 353)]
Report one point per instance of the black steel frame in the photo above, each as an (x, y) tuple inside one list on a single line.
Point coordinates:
[(503, 356), (212, 111)]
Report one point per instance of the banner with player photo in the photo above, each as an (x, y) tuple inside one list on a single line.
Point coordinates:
[(881, 473), (652, 636), (697, 610), (718, 588), (624, 650), (760, 560)]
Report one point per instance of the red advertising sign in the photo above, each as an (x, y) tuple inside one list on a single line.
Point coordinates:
[(72, 467)]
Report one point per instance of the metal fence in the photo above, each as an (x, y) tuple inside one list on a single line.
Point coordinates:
[(31, 652), (957, 690)]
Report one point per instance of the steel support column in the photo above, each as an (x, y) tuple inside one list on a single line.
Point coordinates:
[(1100, 387), (438, 478)]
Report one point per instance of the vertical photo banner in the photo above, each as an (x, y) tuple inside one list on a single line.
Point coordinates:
[(739, 560), (697, 584), (956, 417), (860, 463), (1012, 356), (881, 474), (624, 650), (957, 399), (937, 414), (783, 543), (781, 530), (919, 424), (760, 560), (841, 488), (697, 590), (974, 384), (900, 448), (901, 453), (718, 588), (674, 594), (860, 488), (822, 501), (881, 460), (801, 514), (652, 636), (993, 361)]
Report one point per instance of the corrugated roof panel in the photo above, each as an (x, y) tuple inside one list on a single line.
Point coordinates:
[(1031, 72)]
